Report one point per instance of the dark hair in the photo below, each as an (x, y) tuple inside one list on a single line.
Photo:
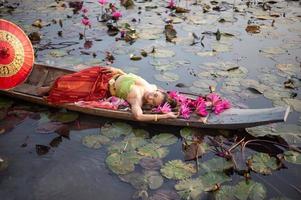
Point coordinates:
[(166, 98)]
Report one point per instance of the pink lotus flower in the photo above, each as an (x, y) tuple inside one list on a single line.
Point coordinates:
[(221, 106), (84, 10), (171, 4), (102, 2), (86, 21), (165, 108), (116, 15), (214, 98), (185, 111), (177, 96), (201, 107)]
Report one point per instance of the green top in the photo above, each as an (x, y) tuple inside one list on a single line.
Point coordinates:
[(126, 84)]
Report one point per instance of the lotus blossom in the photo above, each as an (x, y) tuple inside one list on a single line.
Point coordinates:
[(201, 109), (86, 21), (221, 106), (116, 15), (214, 98), (102, 2), (171, 4), (177, 96), (84, 10), (165, 108), (185, 111)]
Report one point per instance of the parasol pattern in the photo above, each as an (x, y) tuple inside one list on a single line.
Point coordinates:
[(16, 55)]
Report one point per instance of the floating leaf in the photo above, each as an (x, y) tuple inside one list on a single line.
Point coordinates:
[(95, 141), (116, 129), (292, 157), (64, 117), (167, 77), (154, 179), (42, 149), (225, 193), (249, 190), (153, 150), (190, 188), (151, 163), (216, 164), (211, 179), (128, 144), (194, 150), (253, 28), (262, 163), (141, 133), (122, 163), (164, 139), (49, 127), (162, 53), (178, 170), (164, 194), (137, 180)]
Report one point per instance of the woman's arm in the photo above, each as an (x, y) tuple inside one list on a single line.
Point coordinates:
[(138, 114)]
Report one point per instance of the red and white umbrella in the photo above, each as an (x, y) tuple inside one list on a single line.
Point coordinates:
[(16, 55)]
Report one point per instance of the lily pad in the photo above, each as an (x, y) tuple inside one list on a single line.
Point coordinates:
[(95, 141), (216, 164), (154, 179), (190, 188), (262, 163), (116, 129), (122, 163), (5, 103), (292, 157), (167, 77), (249, 190), (128, 144), (49, 127), (137, 180), (141, 133), (225, 193), (153, 151), (164, 139), (176, 169), (211, 179), (163, 194), (151, 163), (64, 117)]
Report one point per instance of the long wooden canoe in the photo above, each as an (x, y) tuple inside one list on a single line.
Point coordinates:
[(233, 118)]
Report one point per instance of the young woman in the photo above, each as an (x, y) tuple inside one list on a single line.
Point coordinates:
[(97, 83)]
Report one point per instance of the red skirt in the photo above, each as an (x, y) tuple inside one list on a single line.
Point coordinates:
[(86, 85)]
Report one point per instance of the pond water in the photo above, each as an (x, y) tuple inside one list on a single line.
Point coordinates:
[(247, 68)]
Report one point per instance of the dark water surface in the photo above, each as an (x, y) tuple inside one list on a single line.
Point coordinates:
[(73, 171)]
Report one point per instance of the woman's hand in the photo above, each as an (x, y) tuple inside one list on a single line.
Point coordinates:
[(172, 115)]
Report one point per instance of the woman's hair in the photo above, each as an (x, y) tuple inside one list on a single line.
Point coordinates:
[(173, 103)]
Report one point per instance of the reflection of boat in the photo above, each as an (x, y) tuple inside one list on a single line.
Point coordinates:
[(230, 119)]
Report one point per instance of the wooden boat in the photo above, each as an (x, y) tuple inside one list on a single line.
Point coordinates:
[(233, 118)]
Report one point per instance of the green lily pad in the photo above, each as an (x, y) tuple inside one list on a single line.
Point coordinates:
[(128, 144), (137, 180), (122, 163), (95, 141), (5, 103), (262, 163), (211, 179), (164, 139), (292, 157), (116, 129), (141, 133), (190, 188), (64, 117), (176, 169), (154, 179), (163, 194), (167, 77), (249, 191), (216, 164), (151, 163), (225, 193), (187, 133), (153, 150)]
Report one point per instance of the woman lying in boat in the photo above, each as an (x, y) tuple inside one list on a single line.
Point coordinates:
[(97, 83)]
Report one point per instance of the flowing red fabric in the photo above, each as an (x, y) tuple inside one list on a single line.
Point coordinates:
[(86, 85)]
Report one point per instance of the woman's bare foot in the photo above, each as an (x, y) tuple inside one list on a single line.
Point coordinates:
[(41, 91)]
